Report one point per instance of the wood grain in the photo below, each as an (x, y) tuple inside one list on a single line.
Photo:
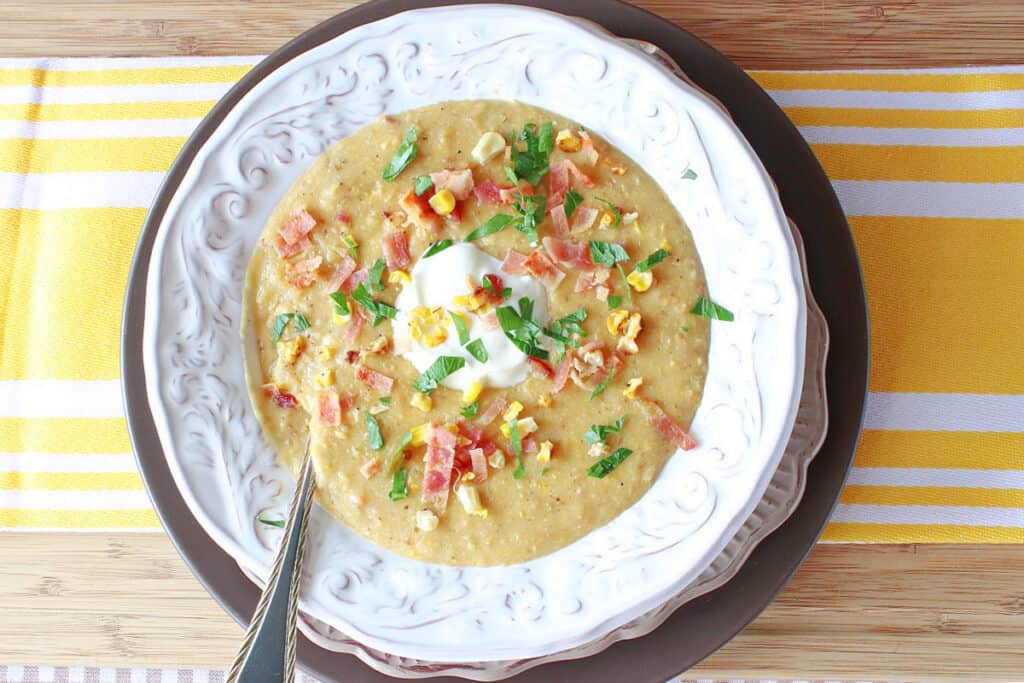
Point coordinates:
[(757, 34), (951, 612)]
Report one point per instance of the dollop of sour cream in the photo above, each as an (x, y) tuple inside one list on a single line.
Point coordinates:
[(436, 281)]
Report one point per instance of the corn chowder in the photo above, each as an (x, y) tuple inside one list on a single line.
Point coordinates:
[(492, 325)]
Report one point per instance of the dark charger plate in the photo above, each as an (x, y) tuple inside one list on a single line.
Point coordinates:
[(700, 627)]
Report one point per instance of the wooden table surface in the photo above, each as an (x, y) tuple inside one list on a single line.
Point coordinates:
[(953, 612)]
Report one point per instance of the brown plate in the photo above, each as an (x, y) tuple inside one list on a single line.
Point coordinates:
[(700, 627)]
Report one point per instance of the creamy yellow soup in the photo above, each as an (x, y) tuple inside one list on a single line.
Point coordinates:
[(576, 463)]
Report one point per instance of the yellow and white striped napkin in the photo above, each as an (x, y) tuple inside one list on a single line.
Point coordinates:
[(929, 165)]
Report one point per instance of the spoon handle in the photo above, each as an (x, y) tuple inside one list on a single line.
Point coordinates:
[(267, 654)]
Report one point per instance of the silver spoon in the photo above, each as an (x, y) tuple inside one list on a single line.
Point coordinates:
[(267, 654)]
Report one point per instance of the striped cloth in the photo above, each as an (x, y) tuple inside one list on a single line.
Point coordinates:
[(929, 165)]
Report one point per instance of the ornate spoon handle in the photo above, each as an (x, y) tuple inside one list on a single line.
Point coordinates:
[(267, 654)]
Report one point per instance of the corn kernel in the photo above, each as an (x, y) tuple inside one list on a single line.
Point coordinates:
[(289, 350), (640, 281), (544, 401), (325, 352), (426, 520), (472, 392), (512, 412), (497, 459), (469, 496), (422, 401), (618, 170), (627, 345), (544, 454), (340, 319), (399, 276), (607, 218), (325, 377), (489, 145), (436, 337), (632, 386), (634, 325), (617, 320), (568, 141), (666, 246), (419, 434), (443, 202), (630, 217), (526, 426)]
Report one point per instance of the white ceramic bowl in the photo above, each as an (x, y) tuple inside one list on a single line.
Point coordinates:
[(650, 553)]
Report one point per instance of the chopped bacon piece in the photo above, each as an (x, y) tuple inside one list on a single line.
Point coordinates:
[(354, 280), (437, 467), (560, 222), (374, 379), (489, 320), (487, 192), (356, 323), (351, 356), (456, 215), (568, 253), (541, 367), (345, 266), (541, 267), (396, 249), (282, 399), (514, 263), (509, 194), (492, 295), (370, 468), (559, 181), (328, 407), (298, 225), (476, 437), (493, 410), (285, 250), (588, 147), (302, 274), (344, 218), (479, 464), (592, 278), (420, 212), (583, 218), (596, 345), (666, 426), (459, 183), (562, 374)]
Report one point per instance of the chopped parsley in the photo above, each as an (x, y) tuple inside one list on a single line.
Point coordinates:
[(625, 282), (603, 385), (521, 329), (545, 471), (599, 433), (340, 303), (615, 211), (276, 523), (565, 330), (684, 328), (531, 150), (709, 309), (437, 372), (689, 174), (477, 349), (494, 224), (531, 215), (437, 248), (603, 467), (572, 200), (353, 248), (471, 410), (517, 448), (397, 457), (423, 183), (373, 435), (460, 327), (281, 323), (381, 311), (301, 323), (607, 253), (614, 301), (386, 400), (398, 484), (375, 279), (489, 286), (652, 260), (404, 156)]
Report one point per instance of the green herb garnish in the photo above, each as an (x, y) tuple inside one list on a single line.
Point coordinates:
[(603, 385), (709, 309), (353, 248), (375, 279), (340, 303), (599, 433), (281, 322), (614, 301), (460, 327), (437, 248), (301, 323), (437, 372), (625, 282), (603, 467), (531, 215), (651, 261), (607, 253), (477, 349), (276, 523), (381, 311), (565, 330), (386, 400), (684, 328), (572, 200), (373, 435), (423, 183), (398, 484), (396, 458), (489, 286), (689, 174), (545, 471), (404, 156), (517, 448), (615, 211), (471, 410), (530, 161), (494, 224), (521, 329)]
